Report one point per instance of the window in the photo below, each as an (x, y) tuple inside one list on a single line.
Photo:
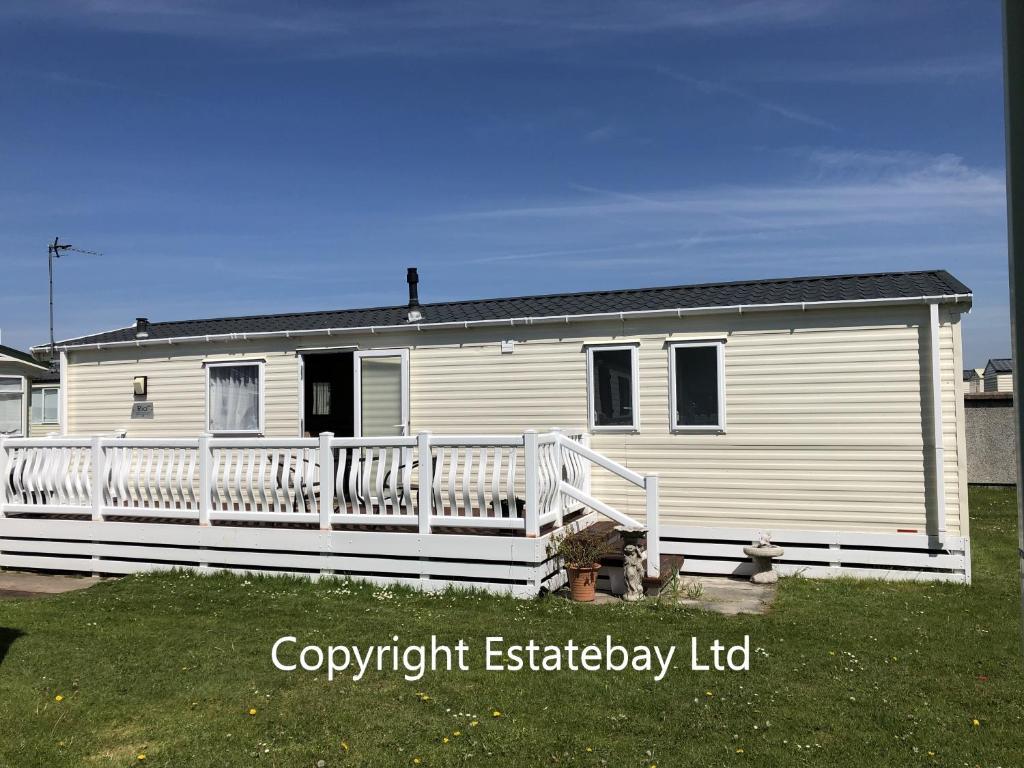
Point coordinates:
[(12, 404), (45, 405), (697, 386), (612, 373), (234, 401)]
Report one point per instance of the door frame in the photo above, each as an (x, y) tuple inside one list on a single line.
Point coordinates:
[(357, 370)]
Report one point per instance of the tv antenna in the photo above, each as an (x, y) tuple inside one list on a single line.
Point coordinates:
[(53, 251)]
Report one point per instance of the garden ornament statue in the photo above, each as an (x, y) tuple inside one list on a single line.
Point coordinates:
[(633, 571), (762, 554)]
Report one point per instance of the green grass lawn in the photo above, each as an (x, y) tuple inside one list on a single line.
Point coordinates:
[(847, 673)]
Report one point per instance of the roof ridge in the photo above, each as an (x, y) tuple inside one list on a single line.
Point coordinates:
[(808, 289), (555, 295)]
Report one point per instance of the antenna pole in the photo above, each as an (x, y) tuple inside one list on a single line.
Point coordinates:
[(53, 252), (50, 253)]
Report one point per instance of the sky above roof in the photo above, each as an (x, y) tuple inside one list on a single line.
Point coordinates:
[(232, 157)]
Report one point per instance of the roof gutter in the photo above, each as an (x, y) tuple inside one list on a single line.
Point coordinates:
[(957, 298)]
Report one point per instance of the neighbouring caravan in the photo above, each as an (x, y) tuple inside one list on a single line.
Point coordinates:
[(974, 380), (824, 411), (29, 395), (999, 375)]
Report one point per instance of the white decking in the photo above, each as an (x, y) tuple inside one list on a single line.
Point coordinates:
[(433, 511), (428, 510)]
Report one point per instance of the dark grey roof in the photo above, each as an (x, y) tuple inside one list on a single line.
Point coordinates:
[(46, 377), (969, 373), (17, 354), (1000, 365), (752, 292)]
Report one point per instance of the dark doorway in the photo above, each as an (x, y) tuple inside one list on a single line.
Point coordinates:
[(327, 394)]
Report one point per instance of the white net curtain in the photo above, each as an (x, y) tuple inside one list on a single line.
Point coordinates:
[(235, 398)]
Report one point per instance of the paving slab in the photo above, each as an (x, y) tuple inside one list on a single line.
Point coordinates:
[(719, 594), (722, 594), (15, 585)]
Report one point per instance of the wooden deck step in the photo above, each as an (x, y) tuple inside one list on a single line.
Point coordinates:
[(670, 564)]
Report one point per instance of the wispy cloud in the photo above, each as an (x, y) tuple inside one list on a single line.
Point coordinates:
[(848, 187), (942, 69), (419, 26), (601, 134), (844, 210), (711, 87)]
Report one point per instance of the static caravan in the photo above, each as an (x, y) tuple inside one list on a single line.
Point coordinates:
[(29, 395), (999, 375), (974, 380), (672, 408)]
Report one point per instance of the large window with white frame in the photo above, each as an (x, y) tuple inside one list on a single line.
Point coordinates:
[(45, 406), (697, 386), (234, 398), (612, 380), (12, 405)]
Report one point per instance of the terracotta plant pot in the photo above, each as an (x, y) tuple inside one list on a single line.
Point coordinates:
[(583, 582)]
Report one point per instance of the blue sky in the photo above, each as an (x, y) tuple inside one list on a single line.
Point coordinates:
[(233, 157)]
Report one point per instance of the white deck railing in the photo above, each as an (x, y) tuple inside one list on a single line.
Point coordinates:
[(514, 482)]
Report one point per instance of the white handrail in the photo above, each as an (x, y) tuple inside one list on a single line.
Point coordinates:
[(147, 442), (46, 442), (603, 461), (648, 482), (519, 482), (600, 506)]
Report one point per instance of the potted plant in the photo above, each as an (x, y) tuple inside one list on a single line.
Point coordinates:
[(581, 553)]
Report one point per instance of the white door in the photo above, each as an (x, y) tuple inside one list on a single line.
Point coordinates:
[(381, 392)]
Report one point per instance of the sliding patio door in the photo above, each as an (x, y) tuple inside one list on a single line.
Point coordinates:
[(382, 393)]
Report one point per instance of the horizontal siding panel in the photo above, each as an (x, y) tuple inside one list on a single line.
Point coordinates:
[(827, 425)]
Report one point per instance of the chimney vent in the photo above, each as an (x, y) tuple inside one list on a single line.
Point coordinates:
[(141, 328), (413, 279)]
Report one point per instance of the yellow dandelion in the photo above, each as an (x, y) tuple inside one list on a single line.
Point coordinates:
[(58, 697), (444, 740), (931, 754), (415, 761), (456, 733), (474, 724), (975, 722), (344, 746), (252, 712), (140, 757), (589, 749), (708, 693), (496, 713), (739, 750)]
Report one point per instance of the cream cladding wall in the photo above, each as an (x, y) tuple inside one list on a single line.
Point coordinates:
[(828, 413)]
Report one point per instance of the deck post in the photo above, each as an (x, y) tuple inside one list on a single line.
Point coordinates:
[(325, 505), (99, 480), (3, 474), (205, 458), (97, 486), (532, 521), (653, 535), (559, 476), (425, 480)]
